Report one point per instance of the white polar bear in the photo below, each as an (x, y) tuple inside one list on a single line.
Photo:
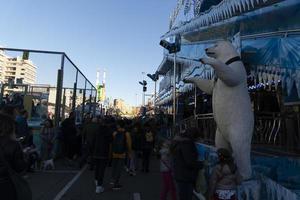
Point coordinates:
[(231, 103)]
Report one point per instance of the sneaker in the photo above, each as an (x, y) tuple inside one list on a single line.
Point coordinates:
[(132, 173), (117, 187), (99, 189), (126, 169)]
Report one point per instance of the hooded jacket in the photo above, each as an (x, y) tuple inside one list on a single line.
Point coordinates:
[(101, 142), (185, 159)]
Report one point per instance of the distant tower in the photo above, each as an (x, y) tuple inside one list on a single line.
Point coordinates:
[(98, 78), (103, 86), (104, 77), (98, 86), (101, 93)]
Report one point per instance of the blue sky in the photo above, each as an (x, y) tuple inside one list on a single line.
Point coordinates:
[(121, 36)]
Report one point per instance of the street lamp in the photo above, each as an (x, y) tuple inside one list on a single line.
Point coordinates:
[(144, 84), (173, 48), (154, 77)]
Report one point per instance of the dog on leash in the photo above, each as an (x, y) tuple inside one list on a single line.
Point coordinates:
[(48, 165)]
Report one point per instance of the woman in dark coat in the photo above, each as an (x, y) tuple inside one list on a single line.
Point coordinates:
[(185, 163), (13, 155)]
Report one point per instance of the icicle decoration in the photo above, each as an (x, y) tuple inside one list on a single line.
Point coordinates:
[(297, 81), (289, 82), (187, 7), (276, 191), (269, 75), (277, 77), (283, 77), (197, 7), (175, 13), (224, 10)]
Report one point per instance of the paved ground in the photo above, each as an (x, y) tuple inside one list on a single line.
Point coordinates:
[(51, 184)]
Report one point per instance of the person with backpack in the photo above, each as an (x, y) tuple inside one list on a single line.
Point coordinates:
[(224, 178), (121, 145), (147, 147)]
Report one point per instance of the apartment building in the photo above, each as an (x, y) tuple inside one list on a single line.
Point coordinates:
[(16, 70)]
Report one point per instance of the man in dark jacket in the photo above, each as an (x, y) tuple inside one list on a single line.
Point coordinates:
[(101, 150), (147, 147), (22, 125), (186, 164), (70, 133), (90, 129)]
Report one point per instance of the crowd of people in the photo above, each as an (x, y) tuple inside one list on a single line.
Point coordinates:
[(122, 144)]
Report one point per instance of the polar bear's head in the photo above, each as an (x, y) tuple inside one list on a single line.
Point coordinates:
[(222, 50)]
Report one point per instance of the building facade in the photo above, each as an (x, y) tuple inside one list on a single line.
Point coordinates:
[(16, 70)]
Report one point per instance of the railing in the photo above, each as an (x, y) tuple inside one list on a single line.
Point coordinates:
[(273, 132), (268, 128)]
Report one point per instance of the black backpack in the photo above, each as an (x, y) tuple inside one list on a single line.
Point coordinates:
[(119, 143)]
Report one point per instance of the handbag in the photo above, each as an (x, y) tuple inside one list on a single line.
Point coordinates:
[(22, 188)]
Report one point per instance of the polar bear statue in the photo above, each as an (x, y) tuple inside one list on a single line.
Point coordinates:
[(231, 103)]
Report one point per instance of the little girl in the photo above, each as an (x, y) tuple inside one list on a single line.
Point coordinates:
[(166, 173), (47, 139), (225, 178)]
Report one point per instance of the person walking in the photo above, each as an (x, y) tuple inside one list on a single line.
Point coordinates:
[(11, 157), (90, 129), (224, 178), (147, 147), (166, 172), (47, 140), (100, 145), (186, 164), (136, 137), (69, 132), (120, 146), (22, 125)]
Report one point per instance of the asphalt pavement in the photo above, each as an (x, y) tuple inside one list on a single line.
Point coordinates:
[(67, 182)]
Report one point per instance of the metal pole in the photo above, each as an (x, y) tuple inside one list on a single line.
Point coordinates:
[(154, 103), (2, 93), (195, 101), (74, 93), (143, 98), (94, 103), (64, 105), (174, 93), (83, 100), (59, 85)]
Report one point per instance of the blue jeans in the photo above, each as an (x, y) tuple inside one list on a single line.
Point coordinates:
[(185, 190)]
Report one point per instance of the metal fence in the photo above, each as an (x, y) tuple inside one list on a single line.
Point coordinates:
[(48, 82), (273, 132)]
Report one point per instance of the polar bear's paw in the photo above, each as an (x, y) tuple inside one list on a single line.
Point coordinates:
[(188, 80), (207, 60)]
